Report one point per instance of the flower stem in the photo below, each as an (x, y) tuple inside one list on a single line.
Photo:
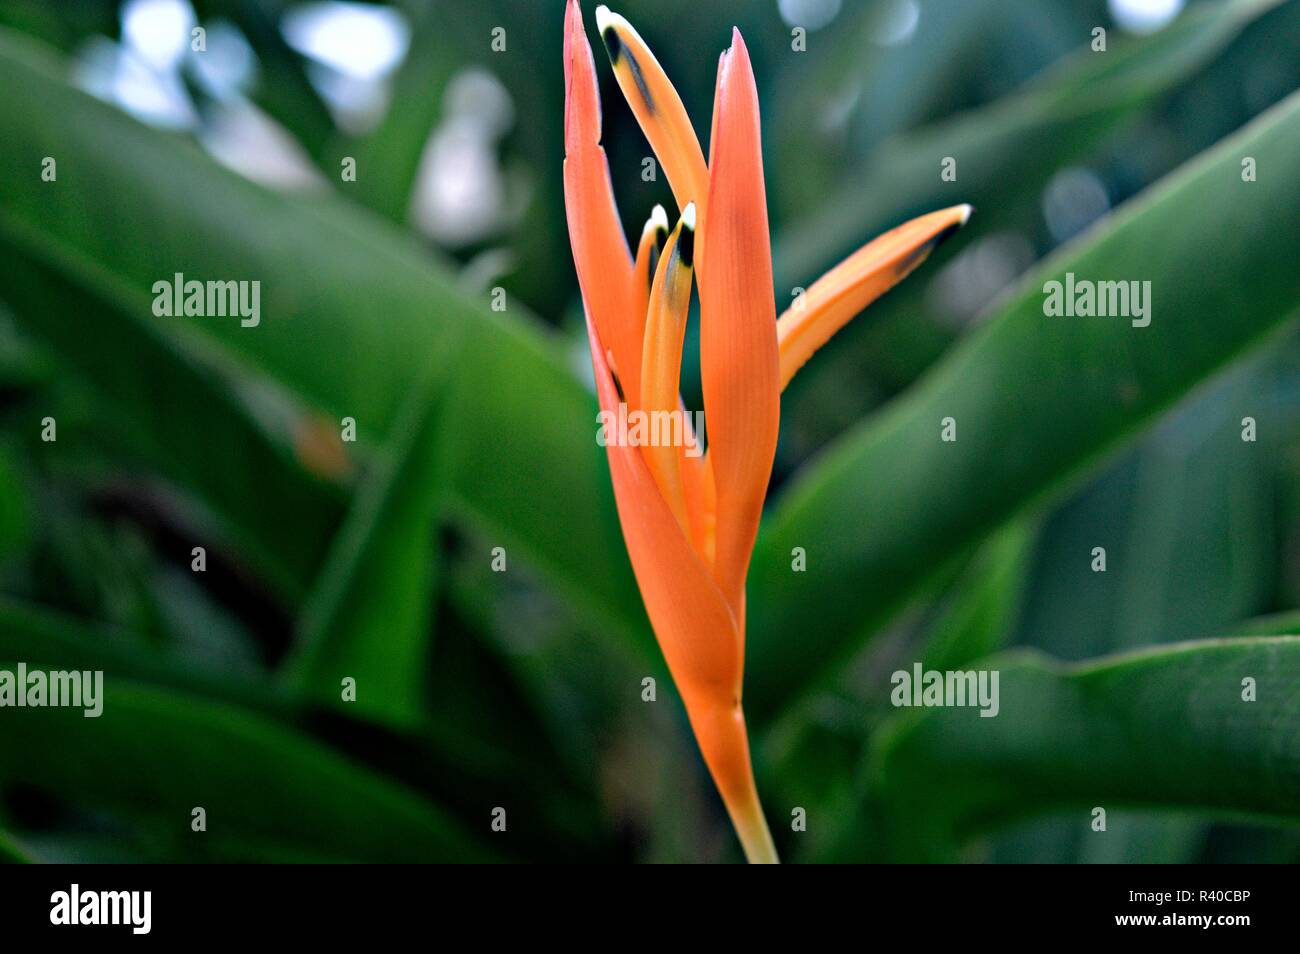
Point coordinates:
[(755, 837), (720, 731)]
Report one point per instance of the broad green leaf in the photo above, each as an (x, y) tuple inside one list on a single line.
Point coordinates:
[(175, 405), (811, 757), (51, 639), (352, 310), (524, 475), (1158, 728), (480, 731), (1006, 151), (1167, 578), (369, 617), (157, 754), (979, 616), (1038, 402), (1277, 624), (1012, 145), (907, 331)]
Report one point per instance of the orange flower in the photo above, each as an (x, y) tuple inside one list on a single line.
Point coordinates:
[(690, 520)]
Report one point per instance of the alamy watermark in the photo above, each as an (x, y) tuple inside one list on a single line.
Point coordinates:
[(1084, 298), (211, 299), (932, 688), (75, 907), (56, 688), (624, 428)]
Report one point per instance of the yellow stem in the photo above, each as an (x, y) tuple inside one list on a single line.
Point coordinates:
[(755, 837)]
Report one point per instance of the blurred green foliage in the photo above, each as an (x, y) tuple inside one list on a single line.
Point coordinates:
[(478, 689)]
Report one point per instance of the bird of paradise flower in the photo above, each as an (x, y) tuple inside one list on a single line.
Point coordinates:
[(690, 520)]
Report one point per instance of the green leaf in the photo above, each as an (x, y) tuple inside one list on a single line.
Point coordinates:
[(478, 734), (157, 754), (1039, 402), (812, 756), (54, 640), (176, 406), (352, 312), (369, 616), (979, 616), (1160, 728), (388, 159), (1167, 578), (907, 331), (1277, 624), (1090, 109), (1015, 144), (524, 474)]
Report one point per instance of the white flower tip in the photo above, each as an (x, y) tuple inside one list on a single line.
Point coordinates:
[(658, 219), (604, 18), (688, 216), (607, 19), (966, 211)]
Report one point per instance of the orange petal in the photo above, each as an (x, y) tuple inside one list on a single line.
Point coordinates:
[(600, 251), (840, 294), (657, 108), (692, 621), (661, 361), (739, 368)]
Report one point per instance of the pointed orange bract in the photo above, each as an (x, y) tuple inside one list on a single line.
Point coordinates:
[(690, 521), (600, 250), (657, 107), (739, 366)]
